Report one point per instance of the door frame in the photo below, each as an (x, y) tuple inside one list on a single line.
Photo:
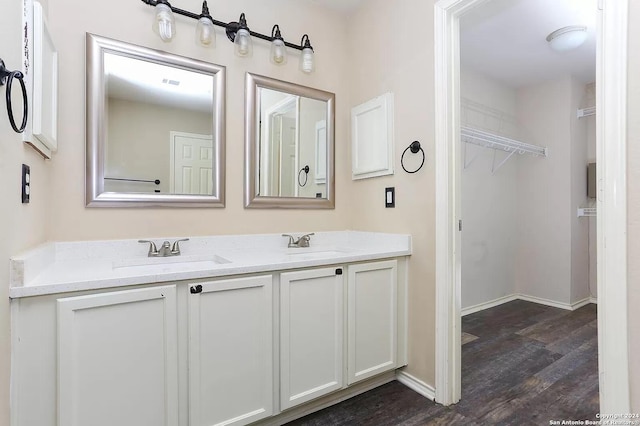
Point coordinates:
[(611, 110)]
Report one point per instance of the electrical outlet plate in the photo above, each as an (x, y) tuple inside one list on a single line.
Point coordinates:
[(26, 183)]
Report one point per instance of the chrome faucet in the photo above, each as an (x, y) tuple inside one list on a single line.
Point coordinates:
[(300, 242), (165, 250)]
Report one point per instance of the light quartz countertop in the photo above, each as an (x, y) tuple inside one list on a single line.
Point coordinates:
[(61, 267)]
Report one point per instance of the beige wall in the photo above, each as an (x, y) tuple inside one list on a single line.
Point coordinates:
[(21, 225), (544, 262), (391, 50), (138, 145), (70, 19), (633, 207), (489, 200)]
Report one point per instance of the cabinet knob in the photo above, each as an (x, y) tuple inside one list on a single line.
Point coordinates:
[(196, 289), (339, 271)]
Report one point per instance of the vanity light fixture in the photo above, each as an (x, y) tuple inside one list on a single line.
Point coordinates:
[(567, 38), (241, 37), (306, 58), (238, 32), (205, 32), (163, 22), (278, 54)]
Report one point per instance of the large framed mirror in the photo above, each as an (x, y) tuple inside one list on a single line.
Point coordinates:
[(289, 145), (155, 128)]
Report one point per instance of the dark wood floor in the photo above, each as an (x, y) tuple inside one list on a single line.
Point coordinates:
[(523, 364)]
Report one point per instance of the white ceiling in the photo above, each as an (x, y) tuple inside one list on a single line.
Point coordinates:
[(506, 40), (148, 82)]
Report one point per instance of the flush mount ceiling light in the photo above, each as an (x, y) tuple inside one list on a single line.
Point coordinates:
[(238, 32), (567, 38)]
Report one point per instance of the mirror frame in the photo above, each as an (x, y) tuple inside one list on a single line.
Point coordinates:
[(253, 82), (96, 47)]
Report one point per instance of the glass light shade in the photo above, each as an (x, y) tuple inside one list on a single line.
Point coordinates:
[(567, 38), (205, 33), (242, 42), (163, 22), (278, 52), (307, 64)]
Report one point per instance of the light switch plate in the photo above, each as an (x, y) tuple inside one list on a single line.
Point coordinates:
[(390, 197), (26, 183)]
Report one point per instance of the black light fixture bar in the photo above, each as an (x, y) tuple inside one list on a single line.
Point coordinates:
[(231, 27)]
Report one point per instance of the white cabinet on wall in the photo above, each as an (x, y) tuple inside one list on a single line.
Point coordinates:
[(311, 334), (230, 351), (117, 358), (372, 319)]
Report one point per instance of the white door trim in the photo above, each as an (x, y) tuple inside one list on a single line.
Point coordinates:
[(612, 280), (611, 145)]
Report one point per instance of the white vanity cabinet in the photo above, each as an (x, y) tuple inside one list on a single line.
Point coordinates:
[(264, 347), (230, 351), (311, 334), (372, 319), (118, 358)]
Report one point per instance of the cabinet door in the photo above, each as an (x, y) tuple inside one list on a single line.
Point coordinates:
[(230, 351), (372, 319), (117, 358), (311, 334)]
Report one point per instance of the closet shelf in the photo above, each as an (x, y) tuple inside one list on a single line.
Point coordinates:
[(489, 140), (497, 143), (587, 211), (585, 112)]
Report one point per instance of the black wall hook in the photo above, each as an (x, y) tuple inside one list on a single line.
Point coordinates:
[(6, 77), (414, 147)]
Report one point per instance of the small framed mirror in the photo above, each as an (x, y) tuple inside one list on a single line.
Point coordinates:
[(155, 128), (289, 145)]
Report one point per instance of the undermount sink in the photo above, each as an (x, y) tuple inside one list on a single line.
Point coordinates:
[(172, 262)]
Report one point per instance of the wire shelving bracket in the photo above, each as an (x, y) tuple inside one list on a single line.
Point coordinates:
[(585, 112), (587, 211)]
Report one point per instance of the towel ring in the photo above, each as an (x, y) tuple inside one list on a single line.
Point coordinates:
[(414, 147), (305, 169), (7, 77)]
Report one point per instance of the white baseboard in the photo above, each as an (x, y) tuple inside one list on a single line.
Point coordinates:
[(593, 300), (490, 304), (499, 301), (416, 384)]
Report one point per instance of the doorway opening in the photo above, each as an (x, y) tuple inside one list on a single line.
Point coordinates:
[(611, 95)]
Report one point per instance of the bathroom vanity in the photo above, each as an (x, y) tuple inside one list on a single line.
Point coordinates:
[(235, 330)]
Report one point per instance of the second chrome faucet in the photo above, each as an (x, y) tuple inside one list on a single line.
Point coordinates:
[(300, 242), (166, 249)]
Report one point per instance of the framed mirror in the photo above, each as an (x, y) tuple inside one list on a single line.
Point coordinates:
[(155, 128), (289, 145)]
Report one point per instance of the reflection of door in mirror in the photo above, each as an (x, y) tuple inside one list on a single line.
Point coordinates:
[(190, 165), (313, 147), (146, 103), (279, 144), (292, 136)]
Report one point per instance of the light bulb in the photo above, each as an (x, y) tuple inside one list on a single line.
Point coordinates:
[(205, 33), (163, 22), (278, 52), (243, 43), (306, 60)]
